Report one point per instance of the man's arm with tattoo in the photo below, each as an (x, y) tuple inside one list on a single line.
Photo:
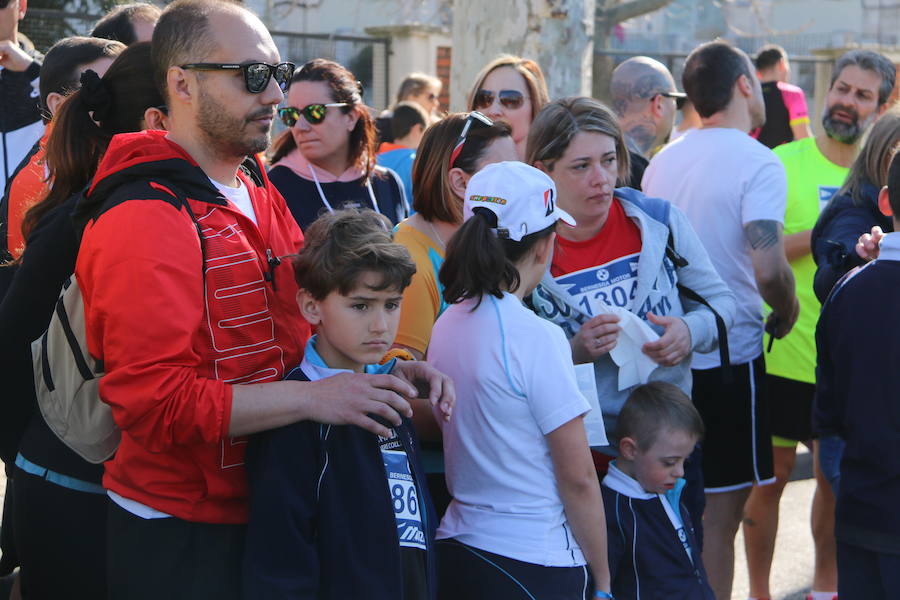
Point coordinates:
[(774, 277)]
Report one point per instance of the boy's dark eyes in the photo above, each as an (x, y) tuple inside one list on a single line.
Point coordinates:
[(391, 305)]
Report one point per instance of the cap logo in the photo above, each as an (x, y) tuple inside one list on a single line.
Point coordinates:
[(548, 202), (491, 199)]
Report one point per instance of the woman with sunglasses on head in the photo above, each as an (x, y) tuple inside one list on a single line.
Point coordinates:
[(63, 551), (616, 266), (511, 89), (326, 160), (451, 151)]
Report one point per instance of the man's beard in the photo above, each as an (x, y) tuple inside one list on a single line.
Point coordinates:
[(228, 135), (845, 133)]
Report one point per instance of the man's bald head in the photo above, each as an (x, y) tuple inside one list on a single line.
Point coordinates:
[(183, 35), (637, 80)]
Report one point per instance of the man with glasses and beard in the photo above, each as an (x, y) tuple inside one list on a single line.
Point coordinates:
[(644, 96), (190, 303), (816, 168)]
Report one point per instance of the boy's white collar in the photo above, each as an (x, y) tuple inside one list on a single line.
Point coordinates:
[(314, 367), (620, 482)]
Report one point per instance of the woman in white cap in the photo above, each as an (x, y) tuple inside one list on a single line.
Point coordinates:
[(631, 260), (526, 519)]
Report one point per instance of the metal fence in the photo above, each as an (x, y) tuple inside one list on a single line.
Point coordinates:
[(366, 57)]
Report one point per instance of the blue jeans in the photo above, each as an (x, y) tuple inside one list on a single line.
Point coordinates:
[(831, 449)]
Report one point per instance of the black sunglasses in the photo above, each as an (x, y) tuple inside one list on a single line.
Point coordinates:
[(256, 75), (313, 113), (511, 99), (679, 97), (474, 118)]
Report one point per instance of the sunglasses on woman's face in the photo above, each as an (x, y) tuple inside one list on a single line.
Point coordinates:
[(256, 75), (511, 99), (313, 113)]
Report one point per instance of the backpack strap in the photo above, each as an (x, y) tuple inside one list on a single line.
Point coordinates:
[(724, 355)]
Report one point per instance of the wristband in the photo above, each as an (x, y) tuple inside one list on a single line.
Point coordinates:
[(600, 594)]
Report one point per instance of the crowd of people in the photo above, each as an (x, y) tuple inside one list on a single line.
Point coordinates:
[(365, 360)]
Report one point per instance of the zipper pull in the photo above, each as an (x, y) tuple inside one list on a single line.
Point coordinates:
[(273, 262)]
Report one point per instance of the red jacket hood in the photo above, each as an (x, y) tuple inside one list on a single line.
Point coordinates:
[(128, 150)]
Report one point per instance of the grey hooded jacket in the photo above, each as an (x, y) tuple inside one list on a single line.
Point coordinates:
[(656, 292)]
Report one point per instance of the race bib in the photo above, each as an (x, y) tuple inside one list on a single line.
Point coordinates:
[(404, 495), (596, 288)]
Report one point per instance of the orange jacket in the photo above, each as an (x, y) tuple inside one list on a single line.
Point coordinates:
[(177, 325), (27, 187)]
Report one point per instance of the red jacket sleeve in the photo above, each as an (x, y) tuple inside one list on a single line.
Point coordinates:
[(139, 269)]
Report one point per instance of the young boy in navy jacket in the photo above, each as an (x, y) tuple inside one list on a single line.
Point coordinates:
[(337, 512), (652, 547), (858, 343)]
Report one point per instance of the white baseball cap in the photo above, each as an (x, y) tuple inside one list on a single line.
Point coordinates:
[(523, 199)]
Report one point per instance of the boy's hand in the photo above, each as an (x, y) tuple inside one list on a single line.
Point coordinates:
[(353, 398), (868, 245), (437, 387)]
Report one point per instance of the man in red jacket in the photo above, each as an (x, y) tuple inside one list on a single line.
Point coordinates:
[(191, 305)]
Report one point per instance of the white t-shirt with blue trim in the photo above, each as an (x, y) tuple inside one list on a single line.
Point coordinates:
[(515, 383)]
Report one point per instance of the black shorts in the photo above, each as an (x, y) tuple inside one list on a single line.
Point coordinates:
[(475, 574), (790, 405), (737, 447)]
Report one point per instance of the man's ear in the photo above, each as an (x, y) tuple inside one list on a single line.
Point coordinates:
[(656, 109), (309, 307), (628, 448), (23, 6), (178, 85), (459, 179), (744, 85), (884, 202)]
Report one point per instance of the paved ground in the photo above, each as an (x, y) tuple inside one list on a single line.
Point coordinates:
[(792, 568), (792, 571)]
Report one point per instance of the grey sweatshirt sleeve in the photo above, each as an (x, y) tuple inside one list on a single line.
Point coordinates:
[(700, 276)]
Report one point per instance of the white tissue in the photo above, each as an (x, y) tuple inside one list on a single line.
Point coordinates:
[(635, 367)]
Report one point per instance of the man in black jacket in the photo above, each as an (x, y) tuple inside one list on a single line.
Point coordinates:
[(20, 113), (856, 400)]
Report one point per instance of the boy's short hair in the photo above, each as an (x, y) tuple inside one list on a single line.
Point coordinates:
[(406, 116), (654, 407), (340, 246), (769, 56)]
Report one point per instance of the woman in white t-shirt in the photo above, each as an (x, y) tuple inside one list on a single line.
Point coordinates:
[(526, 520)]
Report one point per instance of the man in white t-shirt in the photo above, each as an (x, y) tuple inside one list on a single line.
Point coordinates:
[(733, 190)]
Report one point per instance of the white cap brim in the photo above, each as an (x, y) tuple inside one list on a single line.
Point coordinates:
[(563, 216)]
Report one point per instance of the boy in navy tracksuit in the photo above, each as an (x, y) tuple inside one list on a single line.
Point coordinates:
[(858, 343), (337, 512), (652, 547)]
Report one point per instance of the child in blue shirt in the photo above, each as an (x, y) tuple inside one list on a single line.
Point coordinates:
[(338, 512), (652, 546)]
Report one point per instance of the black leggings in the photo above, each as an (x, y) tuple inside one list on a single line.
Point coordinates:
[(60, 537), (467, 572)]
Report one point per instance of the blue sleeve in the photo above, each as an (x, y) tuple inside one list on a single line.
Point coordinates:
[(834, 246), (616, 540), (826, 413), (281, 556)]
